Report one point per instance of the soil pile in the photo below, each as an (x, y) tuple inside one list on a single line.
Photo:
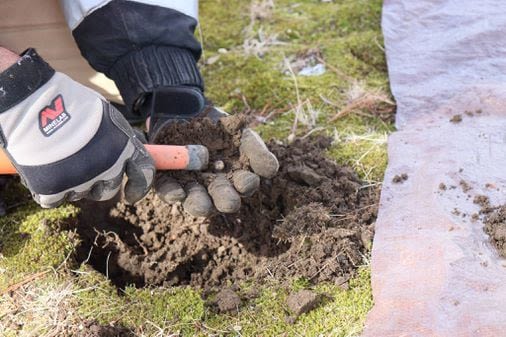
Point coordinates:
[(495, 222), (93, 329), (314, 220)]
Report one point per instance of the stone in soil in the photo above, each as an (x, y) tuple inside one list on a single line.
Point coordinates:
[(302, 302), (227, 301), (313, 213), (400, 178), (93, 329)]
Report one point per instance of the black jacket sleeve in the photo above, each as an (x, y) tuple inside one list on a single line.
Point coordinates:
[(141, 47)]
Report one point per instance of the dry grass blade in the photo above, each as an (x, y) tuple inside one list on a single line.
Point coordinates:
[(358, 98), (23, 282)]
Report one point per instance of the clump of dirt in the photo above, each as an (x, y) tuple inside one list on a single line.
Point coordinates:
[(465, 186), (314, 219), (222, 138), (456, 119), (302, 302), (93, 329), (494, 218), (227, 301), (400, 178), (495, 226)]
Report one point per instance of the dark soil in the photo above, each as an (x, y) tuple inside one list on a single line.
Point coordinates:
[(227, 300), (495, 226), (302, 302), (495, 222), (400, 178), (93, 329), (315, 219), (456, 119), (222, 139)]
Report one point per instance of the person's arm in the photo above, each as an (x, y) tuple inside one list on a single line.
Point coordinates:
[(149, 49), (145, 46)]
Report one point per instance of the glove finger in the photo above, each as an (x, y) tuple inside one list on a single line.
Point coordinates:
[(100, 191), (225, 197), (246, 182), (262, 161), (198, 202), (104, 190), (140, 135), (140, 170), (168, 189), (46, 201)]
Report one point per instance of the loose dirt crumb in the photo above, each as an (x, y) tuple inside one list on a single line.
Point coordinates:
[(456, 119), (227, 301), (495, 226), (399, 179), (484, 202), (302, 302), (465, 186), (495, 222), (490, 186), (442, 187)]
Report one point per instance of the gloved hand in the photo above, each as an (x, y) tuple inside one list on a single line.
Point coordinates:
[(65, 140), (165, 84), (225, 191)]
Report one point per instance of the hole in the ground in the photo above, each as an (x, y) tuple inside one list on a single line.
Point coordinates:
[(313, 220)]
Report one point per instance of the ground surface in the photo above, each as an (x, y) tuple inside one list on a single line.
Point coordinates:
[(314, 221), (256, 53)]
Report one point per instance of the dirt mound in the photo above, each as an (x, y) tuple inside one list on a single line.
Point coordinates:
[(313, 220), (495, 226), (93, 329), (494, 218)]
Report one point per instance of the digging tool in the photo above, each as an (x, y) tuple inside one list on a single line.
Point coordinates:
[(166, 157)]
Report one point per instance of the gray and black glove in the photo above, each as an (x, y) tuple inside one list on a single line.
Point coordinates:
[(66, 141), (225, 190), (151, 53)]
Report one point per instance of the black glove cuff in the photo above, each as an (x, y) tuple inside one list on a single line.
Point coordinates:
[(23, 78), (152, 67)]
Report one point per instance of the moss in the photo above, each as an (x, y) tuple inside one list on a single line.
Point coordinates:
[(31, 243), (237, 81), (178, 308), (98, 299), (222, 23), (342, 314)]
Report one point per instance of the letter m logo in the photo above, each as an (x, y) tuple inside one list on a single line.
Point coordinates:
[(53, 116)]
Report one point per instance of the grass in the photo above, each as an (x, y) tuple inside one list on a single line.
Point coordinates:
[(253, 51)]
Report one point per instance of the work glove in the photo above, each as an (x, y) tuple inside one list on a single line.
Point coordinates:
[(65, 140), (225, 190), (164, 84)]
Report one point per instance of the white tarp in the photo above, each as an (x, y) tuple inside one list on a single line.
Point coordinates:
[(433, 271)]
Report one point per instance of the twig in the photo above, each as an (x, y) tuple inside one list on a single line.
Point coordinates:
[(21, 283), (321, 128), (334, 69), (107, 265), (144, 249)]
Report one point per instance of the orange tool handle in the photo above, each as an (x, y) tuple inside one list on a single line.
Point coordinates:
[(166, 157)]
